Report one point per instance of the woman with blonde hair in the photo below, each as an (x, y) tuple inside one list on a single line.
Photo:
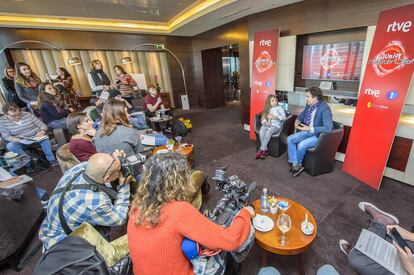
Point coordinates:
[(161, 217), (27, 84), (98, 79), (272, 117), (116, 132)]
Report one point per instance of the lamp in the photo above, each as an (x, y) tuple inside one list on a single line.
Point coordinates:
[(126, 60), (72, 60), (184, 98)]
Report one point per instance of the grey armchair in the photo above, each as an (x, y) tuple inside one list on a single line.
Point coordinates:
[(278, 143), (321, 158)]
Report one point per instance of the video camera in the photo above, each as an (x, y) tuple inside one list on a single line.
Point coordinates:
[(236, 196), (132, 165)]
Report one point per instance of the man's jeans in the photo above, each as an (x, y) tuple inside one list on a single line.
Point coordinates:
[(19, 147), (298, 143), (59, 123), (139, 122)]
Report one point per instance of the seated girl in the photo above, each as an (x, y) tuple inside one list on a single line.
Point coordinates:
[(50, 106), (272, 117), (80, 144)]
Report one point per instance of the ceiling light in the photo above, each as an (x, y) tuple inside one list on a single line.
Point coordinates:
[(74, 61), (234, 13), (126, 60)]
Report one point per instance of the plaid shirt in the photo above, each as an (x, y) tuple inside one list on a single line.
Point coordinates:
[(82, 205)]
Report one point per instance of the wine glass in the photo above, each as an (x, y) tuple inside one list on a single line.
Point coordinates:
[(178, 139), (283, 223)]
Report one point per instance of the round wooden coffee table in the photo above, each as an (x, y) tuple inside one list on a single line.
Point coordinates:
[(187, 151), (298, 242)]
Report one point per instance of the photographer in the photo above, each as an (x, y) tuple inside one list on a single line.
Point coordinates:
[(161, 217), (92, 205)]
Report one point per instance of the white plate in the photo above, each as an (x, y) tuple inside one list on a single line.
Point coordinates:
[(162, 151), (263, 223)]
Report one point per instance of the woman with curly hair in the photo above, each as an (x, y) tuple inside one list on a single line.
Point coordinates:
[(116, 132), (161, 217)]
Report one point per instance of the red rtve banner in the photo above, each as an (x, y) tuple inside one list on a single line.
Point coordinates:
[(263, 72), (382, 96)]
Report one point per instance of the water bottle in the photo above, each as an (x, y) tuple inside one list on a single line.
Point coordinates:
[(264, 205)]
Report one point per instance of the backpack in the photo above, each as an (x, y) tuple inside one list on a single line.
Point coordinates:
[(178, 128), (186, 122), (75, 255)]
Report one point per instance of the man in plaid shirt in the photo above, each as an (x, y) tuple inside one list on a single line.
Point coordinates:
[(85, 205)]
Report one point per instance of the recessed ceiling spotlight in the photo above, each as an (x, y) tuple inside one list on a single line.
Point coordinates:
[(234, 13)]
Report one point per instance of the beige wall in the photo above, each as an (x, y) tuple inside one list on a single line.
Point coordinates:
[(148, 63)]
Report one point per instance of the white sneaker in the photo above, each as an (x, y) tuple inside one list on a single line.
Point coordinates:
[(378, 214), (345, 246)]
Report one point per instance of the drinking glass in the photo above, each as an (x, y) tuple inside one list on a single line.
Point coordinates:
[(178, 139), (283, 223)]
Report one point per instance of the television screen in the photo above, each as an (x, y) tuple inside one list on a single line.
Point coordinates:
[(339, 61)]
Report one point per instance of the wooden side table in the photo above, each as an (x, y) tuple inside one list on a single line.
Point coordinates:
[(186, 151), (298, 243)]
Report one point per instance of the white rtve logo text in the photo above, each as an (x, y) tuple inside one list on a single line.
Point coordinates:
[(265, 42), (396, 26), (373, 92)]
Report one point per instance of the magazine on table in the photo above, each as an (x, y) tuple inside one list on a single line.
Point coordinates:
[(9, 181)]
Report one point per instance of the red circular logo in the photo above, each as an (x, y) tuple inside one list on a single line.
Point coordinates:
[(330, 59), (389, 59), (264, 62)]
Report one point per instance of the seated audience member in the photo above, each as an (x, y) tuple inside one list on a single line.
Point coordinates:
[(314, 120), (153, 101), (161, 217), (16, 125), (381, 224), (124, 83), (137, 121), (91, 205), (9, 89), (116, 132), (272, 117), (27, 84), (51, 108), (98, 79), (80, 144), (64, 84)]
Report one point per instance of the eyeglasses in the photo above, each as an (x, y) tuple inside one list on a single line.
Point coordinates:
[(107, 169)]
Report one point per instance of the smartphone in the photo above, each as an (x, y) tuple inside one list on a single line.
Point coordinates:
[(398, 239)]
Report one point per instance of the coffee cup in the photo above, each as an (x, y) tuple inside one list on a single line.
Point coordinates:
[(307, 228)]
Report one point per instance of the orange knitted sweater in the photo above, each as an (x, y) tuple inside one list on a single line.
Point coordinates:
[(157, 250)]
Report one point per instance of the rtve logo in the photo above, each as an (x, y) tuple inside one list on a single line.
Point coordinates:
[(373, 92), (267, 43), (396, 26)]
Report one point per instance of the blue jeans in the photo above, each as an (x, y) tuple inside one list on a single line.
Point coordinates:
[(298, 143), (59, 123), (19, 147), (160, 139), (139, 122)]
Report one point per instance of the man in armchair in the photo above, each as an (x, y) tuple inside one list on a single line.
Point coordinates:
[(313, 121)]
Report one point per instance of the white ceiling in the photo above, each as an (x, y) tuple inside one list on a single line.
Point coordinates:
[(140, 10)]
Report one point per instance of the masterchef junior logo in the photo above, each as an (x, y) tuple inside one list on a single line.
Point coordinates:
[(264, 62), (391, 58), (330, 59)]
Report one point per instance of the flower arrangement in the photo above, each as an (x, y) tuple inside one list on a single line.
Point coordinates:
[(273, 201)]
